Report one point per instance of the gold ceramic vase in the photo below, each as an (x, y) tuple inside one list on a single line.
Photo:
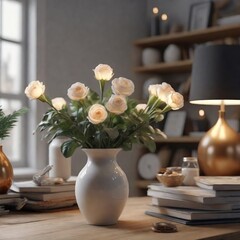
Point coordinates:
[(219, 150), (6, 173)]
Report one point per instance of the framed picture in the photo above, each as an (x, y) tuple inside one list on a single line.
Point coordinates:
[(200, 16), (175, 123)]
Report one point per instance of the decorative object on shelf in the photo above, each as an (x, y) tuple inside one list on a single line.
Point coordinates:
[(190, 169), (149, 166), (154, 24), (215, 81), (164, 156), (200, 16), (201, 124), (98, 122), (164, 24), (172, 53), (185, 38), (175, 123), (150, 56), (175, 28), (101, 187), (61, 166), (147, 83), (41, 178), (7, 122)]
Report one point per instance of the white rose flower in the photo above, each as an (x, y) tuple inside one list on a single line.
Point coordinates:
[(175, 100), (117, 104), (97, 114), (163, 91), (103, 72), (35, 89), (77, 91), (122, 86), (141, 106), (152, 89), (59, 103)]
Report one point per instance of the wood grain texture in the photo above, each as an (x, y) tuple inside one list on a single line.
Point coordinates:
[(133, 225)]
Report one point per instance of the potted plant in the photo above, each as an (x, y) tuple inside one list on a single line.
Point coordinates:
[(7, 122)]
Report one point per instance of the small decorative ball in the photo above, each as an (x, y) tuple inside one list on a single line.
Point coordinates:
[(150, 56), (172, 53)]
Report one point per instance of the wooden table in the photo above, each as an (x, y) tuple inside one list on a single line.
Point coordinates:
[(133, 224)]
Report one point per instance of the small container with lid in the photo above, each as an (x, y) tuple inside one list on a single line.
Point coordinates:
[(190, 169)]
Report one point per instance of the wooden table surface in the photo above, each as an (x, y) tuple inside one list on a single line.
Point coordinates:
[(133, 224)]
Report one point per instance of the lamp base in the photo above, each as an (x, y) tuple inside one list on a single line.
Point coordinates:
[(219, 150)]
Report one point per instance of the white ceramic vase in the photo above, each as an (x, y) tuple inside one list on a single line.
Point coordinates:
[(101, 187), (61, 165)]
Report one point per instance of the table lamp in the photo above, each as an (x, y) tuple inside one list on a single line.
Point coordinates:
[(216, 81)]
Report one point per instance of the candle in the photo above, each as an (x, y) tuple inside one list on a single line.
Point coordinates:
[(164, 25), (154, 22), (201, 124), (201, 114)]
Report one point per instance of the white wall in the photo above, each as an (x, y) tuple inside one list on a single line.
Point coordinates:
[(73, 36)]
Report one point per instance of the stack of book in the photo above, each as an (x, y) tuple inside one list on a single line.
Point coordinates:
[(10, 201), (214, 200), (46, 197)]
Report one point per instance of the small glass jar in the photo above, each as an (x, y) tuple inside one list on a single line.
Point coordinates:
[(190, 169)]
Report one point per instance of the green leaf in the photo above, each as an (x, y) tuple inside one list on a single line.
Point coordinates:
[(112, 132), (69, 147), (7, 122)]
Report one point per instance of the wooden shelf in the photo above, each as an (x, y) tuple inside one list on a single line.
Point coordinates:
[(178, 140), (186, 38), (180, 66)]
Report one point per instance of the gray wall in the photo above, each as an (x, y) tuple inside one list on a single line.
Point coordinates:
[(73, 36), (76, 35)]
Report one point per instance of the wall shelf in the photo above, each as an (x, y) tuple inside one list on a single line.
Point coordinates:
[(186, 38), (186, 41), (180, 66)]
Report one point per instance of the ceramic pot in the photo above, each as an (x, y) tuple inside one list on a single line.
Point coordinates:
[(150, 56), (61, 165), (6, 173), (101, 187)]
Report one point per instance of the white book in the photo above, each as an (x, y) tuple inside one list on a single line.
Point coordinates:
[(190, 214), (226, 183), (49, 196), (30, 186), (206, 199), (48, 205), (164, 202), (193, 190)]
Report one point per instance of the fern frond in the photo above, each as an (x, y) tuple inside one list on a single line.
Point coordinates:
[(7, 122)]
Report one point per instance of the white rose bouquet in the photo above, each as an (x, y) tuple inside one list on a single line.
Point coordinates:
[(106, 120)]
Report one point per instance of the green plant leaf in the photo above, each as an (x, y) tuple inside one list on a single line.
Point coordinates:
[(7, 122), (69, 147)]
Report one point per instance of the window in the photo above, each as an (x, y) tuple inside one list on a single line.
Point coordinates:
[(13, 76)]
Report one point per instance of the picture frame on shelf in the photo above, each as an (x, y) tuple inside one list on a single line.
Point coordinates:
[(175, 123), (200, 16)]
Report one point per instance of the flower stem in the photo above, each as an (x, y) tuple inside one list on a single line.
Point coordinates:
[(102, 84)]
